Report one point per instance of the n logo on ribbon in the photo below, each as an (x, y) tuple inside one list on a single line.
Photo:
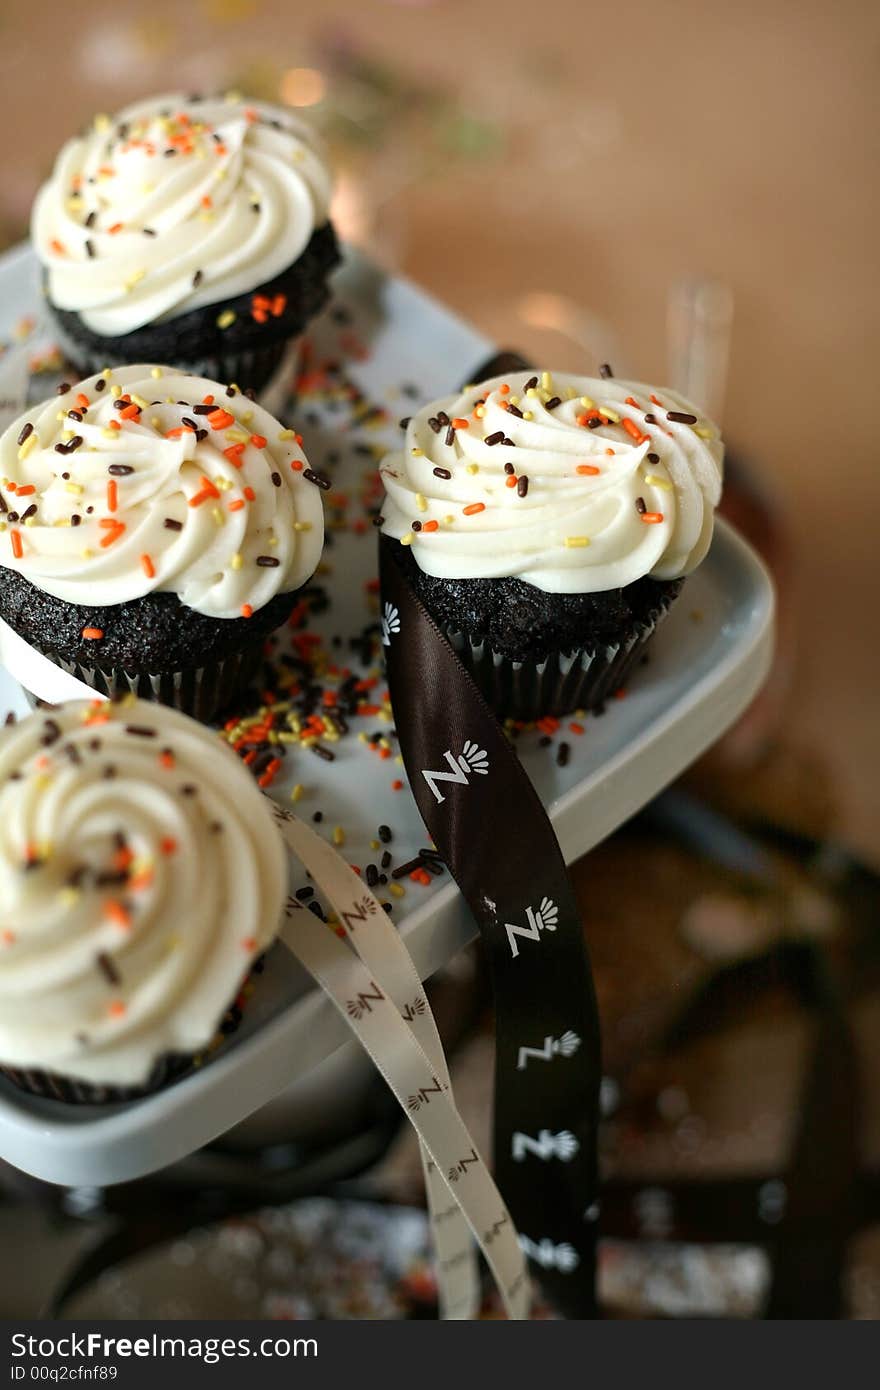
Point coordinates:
[(471, 759), (548, 1145), (544, 919)]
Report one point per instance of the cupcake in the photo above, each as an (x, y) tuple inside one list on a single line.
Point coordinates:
[(142, 878), (547, 522), (186, 231), (154, 529)]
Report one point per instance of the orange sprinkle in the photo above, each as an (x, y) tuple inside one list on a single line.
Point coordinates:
[(459, 423), (511, 482), (141, 881), (117, 913), (610, 451), (26, 490), (259, 441), (148, 567), (111, 536), (633, 430), (166, 758), (93, 634), (17, 548), (236, 506), (220, 149), (279, 304), (296, 465), (651, 518), (250, 494), (207, 400), (117, 227), (82, 401), (589, 470), (178, 430), (220, 419), (397, 785), (206, 491), (58, 247), (116, 1009), (576, 728), (168, 844), (656, 400), (633, 403), (123, 857), (7, 937), (114, 425), (207, 201), (233, 453), (431, 526), (112, 495), (130, 412), (474, 508), (249, 943), (12, 487), (246, 610), (504, 390)]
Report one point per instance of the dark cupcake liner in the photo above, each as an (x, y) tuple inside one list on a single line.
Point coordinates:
[(172, 1067), (251, 368), (200, 691), (561, 682)]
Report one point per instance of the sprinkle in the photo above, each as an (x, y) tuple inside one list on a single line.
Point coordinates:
[(459, 423), (30, 442), (681, 417), (641, 506), (605, 371), (93, 634), (576, 542), (474, 508), (511, 482), (431, 526), (247, 611), (522, 486), (654, 480), (259, 441), (311, 476), (633, 431), (15, 538), (703, 433), (338, 835), (112, 498), (609, 414), (407, 539), (421, 502), (26, 431), (220, 419), (171, 525), (206, 491), (148, 567), (237, 561), (268, 561), (116, 1009), (117, 913), (226, 319), (652, 518), (114, 530), (589, 470)]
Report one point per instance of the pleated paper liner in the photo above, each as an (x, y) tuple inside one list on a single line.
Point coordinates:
[(200, 691), (560, 683)]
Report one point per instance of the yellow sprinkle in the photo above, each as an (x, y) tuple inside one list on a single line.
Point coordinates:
[(247, 416), (448, 520), (421, 502), (226, 319), (139, 400), (76, 488), (573, 542), (296, 793), (134, 279), (480, 411), (102, 123), (156, 372), (236, 436), (374, 844), (397, 889), (418, 453), (87, 554), (69, 896), (703, 432), (611, 415), (587, 403), (116, 391), (527, 415), (407, 539), (472, 468), (66, 436), (654, 480), (236, 562), (547, 381), (156, 422), (107, 373), (338, 835), (108, 433), (30, 521), (218, 516), (514, 400), (302, 526), (30, 443), (533, 392), (286, 434), (273, 541)]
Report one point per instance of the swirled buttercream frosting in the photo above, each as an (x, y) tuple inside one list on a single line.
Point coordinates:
[(174, 204), (572, 484), (141, 875), (144, 479)]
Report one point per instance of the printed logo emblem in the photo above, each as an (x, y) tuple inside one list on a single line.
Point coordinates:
[(548, 1145), (544, 919), (390, 623), (471, 759), (566, 1046), (563, 1257), (362, 1004)]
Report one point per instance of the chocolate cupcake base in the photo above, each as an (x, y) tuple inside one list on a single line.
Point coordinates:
[(243, 351)]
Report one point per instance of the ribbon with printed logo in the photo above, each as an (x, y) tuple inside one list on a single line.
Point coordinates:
[(488, 824)]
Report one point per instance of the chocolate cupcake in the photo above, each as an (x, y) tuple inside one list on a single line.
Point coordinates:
[(154, 529), (143, 876), (190, 232), (546, 522)]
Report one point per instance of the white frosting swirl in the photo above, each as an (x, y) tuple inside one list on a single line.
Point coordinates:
[(598, 508), (226, 521), (174, 204), (140, 874)]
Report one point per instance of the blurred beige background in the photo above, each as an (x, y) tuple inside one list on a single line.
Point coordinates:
[(498, 151)]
